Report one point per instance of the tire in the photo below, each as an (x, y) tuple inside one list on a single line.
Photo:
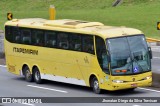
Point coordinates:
[(37, 76), (130, 89), (95, 86), (27, 74)]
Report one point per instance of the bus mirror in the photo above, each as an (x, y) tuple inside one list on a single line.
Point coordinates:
[(150, 52)]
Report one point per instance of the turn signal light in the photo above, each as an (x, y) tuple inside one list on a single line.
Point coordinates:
[(118, 71), (124, 71)]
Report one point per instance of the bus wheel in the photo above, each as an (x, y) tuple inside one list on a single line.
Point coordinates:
[(95, 85), (37, 76), (130, 89), (27, 74)]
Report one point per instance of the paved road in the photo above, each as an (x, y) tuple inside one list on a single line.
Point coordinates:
[(15, 86)]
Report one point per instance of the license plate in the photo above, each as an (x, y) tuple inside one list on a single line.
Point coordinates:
[(134, 85)]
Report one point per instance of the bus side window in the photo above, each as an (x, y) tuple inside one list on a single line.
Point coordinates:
[(75, 42), (8, 33), (88, 44), (26, 36), (38, 37), (16, 35), (102, 54), (51, 39), (63, 42)]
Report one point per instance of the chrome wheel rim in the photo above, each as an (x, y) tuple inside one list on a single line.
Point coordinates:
[(28, 75), (96, 85), (37, 75)]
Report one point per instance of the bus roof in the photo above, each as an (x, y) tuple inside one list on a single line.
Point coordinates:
[(77, 26)]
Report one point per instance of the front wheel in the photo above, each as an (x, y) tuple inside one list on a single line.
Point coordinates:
[(95, 85), (37, 76), (130, 89)]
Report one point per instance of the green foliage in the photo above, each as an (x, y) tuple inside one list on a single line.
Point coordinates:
[(140, 14)]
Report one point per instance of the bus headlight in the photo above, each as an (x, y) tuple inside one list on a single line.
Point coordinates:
[(146, 78), (117, 81)]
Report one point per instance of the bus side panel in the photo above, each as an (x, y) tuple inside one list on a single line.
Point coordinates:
[(87, 65)]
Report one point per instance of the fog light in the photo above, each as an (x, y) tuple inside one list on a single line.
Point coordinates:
[(117, 81), (146, 78)]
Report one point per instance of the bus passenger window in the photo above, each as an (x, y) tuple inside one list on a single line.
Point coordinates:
[(63, 41), (75, 42), (51, 39), (16, 35), (38, 37), (26, 36), (8, 33), (88, 44)]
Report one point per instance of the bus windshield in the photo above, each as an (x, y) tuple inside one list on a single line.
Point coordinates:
[(129, 55)]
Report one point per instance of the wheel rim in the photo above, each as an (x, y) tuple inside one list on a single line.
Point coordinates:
[(96, 85), (28, 74), (37, 75)]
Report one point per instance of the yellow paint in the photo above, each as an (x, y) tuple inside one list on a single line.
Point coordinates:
[(52, 12), (158, 26), (152, 40)]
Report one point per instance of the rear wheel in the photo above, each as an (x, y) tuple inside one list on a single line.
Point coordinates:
[(95, 86), (37, 76), (27, 74)]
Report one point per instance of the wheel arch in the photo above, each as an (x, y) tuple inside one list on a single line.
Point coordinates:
[(34, 67), (91, 78)]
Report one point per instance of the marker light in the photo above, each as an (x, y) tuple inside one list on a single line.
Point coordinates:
[(118, 71), (124, 71)]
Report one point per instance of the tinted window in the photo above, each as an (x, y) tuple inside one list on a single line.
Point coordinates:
[(63, 42), (16, 35), (88, 44), (102, 54), (75, 42), (8, 33), (51, 39), (38, 37), (26, 36)]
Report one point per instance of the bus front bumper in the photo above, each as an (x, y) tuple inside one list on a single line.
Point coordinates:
[(128, 85)]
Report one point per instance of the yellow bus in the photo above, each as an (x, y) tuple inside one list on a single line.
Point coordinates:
[(78, 52)]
